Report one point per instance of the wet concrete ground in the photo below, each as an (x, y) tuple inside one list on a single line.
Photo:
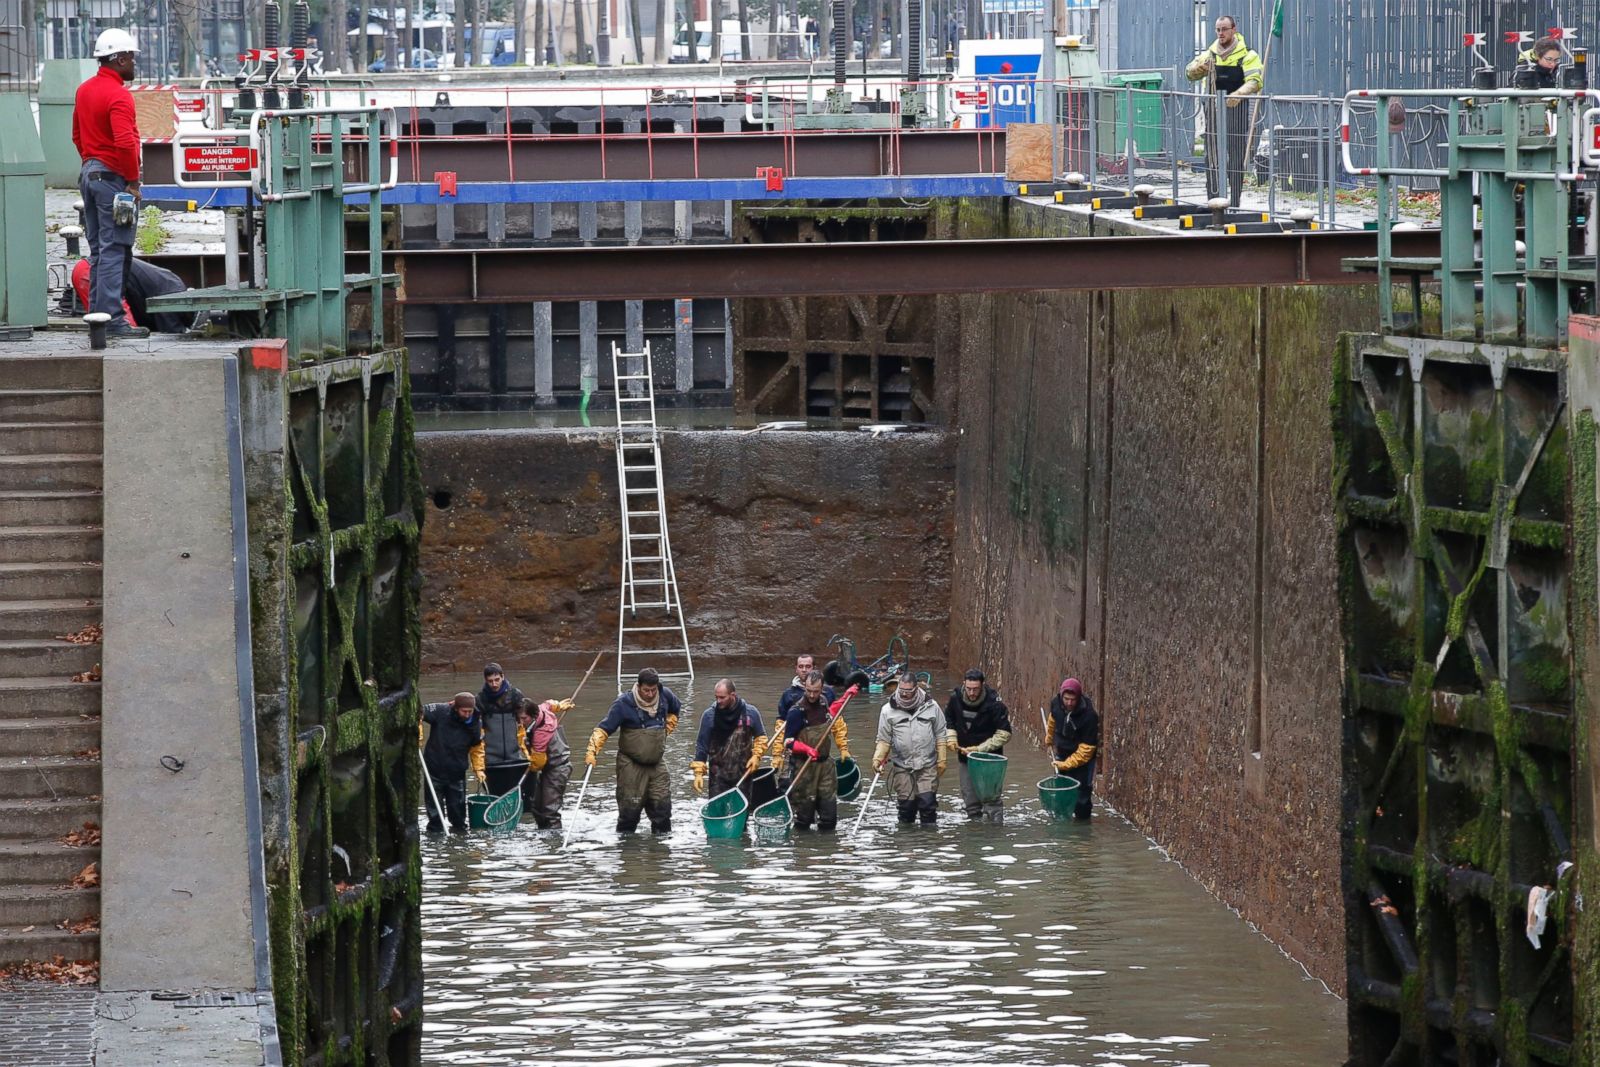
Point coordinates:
[(1033, 943)]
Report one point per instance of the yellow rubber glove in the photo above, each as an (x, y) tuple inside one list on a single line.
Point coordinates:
[(1082, 755), (597, 741), (942, 757), (699, 770), (880, 757), (672, 724), (841, 737), (753, 763), (564, 705), (537, 761)]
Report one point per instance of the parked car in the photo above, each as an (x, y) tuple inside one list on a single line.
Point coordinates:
[(426, 60), (702, 33)]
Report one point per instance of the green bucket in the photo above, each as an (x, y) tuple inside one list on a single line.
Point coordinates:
[(849, 773), (1059, 795), (478, 809), (725, 814), (987, 770), (772, 820)]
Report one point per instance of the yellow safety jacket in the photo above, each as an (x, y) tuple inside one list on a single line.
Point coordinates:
[(1236, 69)]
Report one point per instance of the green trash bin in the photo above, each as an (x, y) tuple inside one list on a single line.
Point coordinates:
[(1058, 794), (987, 771), (725, 814), (1148, 115), (58, 91)]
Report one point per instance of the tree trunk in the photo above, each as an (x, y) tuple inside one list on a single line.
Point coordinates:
[(664, 14), (336, 53), (638, 31), (411, 33), (774, 47), (874, 32), (716, 34), (390, 61), (744, 30), (519, 32), (538, 32), (580, 39), (458, 29), (478, 58)]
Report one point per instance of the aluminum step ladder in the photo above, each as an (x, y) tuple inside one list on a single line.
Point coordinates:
[(650, 626)]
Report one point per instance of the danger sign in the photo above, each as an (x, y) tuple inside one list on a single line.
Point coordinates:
[(218, 159), (972, 97), (190, 105)]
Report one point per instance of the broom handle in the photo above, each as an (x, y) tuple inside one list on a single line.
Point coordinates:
[(862, 814), (574, 698), (581, 791), (426, 777)]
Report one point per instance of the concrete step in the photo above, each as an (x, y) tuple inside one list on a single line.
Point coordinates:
[(42, 907), (50, 581), (29, 438), (50, 544), (40, 404), (26, 698), (42, 863), (55, 777), (18, 944), (47, 618), (57, 735), (46, 906), (45, 819), (24, 658), (52, 470), (52, 507), (52, 372)]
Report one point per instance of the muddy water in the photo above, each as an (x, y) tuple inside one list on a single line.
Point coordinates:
[(1032, 943)]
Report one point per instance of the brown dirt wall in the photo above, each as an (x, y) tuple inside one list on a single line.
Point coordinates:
[(780, 540), (1142, 500)]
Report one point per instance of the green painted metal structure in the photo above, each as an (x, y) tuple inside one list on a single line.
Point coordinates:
[(22, 278), (1512, 172)]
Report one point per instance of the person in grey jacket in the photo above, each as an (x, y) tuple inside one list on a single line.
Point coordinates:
[(911, 743)]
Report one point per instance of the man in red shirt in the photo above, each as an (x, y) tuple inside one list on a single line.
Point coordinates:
[(106, 133)]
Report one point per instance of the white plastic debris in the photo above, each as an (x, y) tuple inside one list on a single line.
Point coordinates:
[(1538, 905)]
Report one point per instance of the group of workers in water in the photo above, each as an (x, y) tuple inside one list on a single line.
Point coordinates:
[(507, 741)]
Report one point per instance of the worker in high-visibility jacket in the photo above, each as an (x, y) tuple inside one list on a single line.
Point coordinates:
[(1075, 740), (1230, 66)]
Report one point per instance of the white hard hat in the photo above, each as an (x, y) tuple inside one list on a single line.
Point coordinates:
[(113, 42)]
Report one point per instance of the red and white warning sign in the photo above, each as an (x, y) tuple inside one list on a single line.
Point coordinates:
[(189, 104), (218, 159), (972, 97), (1589, 144)]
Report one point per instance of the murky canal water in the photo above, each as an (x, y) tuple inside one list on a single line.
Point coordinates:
[(1033, 943)]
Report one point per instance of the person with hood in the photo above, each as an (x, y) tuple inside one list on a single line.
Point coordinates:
[(549, 760), (1075, 741), (812, 730), (911, 743), (731, 742), (505, 747), (646, 714), (454, 745), (803, 665), (977, 721), (1230, 66)]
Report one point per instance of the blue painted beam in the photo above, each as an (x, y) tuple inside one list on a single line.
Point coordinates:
[(910, 187)]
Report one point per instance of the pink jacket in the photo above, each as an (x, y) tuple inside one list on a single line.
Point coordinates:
[(544, 727)]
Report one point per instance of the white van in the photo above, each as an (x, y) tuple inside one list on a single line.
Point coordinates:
[(702, 33)]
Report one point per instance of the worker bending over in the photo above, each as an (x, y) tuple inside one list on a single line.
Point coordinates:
[(1075, 741), (454, 745), (549, 760), (912, 744), (809, 731), (646, 714), (731, 741)]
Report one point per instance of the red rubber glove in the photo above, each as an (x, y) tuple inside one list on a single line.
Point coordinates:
[(803, 749)]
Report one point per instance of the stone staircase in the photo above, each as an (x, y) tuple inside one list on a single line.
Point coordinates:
[(50, 585)]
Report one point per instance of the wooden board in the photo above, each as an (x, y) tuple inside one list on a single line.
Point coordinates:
[(156, 111), (1027, 152)]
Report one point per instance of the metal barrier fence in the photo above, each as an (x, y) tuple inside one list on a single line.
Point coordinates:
[(1330, 46)]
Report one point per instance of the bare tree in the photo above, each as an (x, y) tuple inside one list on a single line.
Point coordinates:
[(336, 52), (663, 32), (477, 58), (744, 29), (580, 38), (638, 31), (538, 32), (716, 34), (875, 31), (519, 34), (458, 30)]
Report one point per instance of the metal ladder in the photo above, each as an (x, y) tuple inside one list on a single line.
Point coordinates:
[(659, 638)]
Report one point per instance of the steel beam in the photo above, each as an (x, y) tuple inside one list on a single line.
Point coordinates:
[(658, 156), (493, 276)]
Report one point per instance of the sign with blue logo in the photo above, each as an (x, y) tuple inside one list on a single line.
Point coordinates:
[(1011, 84)]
